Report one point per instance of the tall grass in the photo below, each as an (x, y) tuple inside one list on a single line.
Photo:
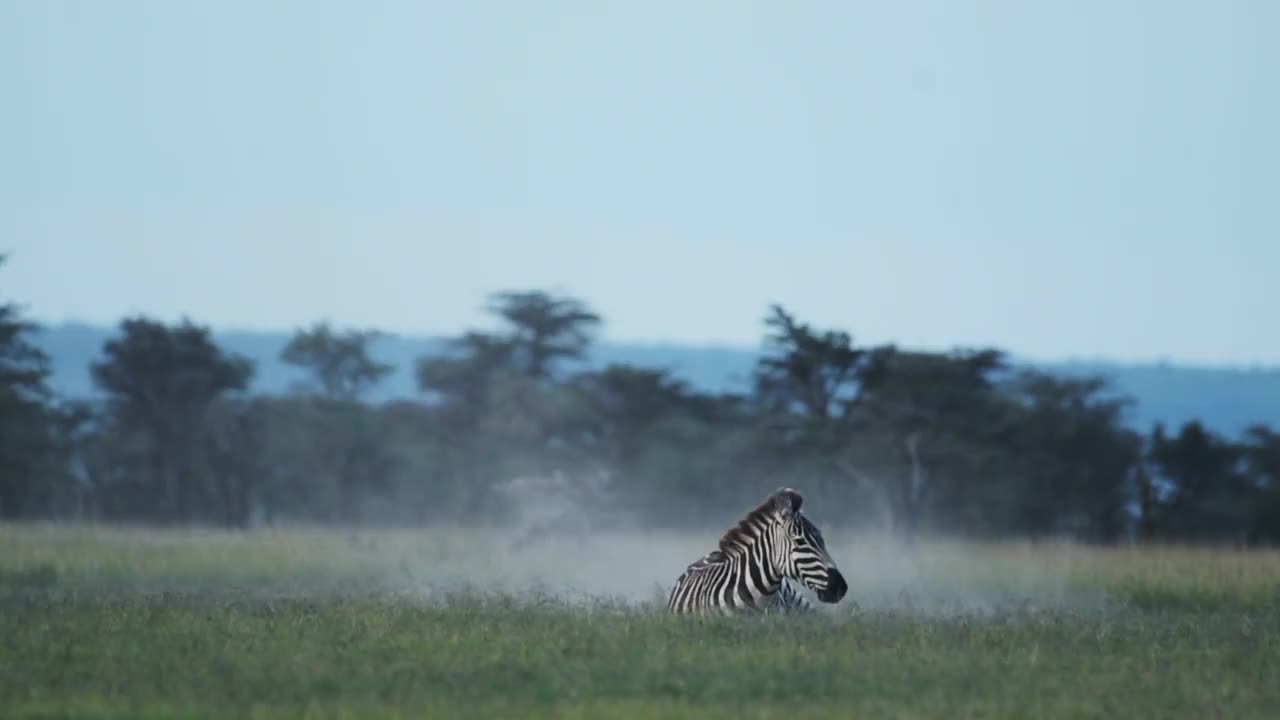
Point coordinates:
[(455, 622), (634, 566)]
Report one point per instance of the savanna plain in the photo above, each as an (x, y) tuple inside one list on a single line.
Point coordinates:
[(463, 623)]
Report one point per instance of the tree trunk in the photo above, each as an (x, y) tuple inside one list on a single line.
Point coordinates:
[(912, 493), (1146, 505), (167, 484)]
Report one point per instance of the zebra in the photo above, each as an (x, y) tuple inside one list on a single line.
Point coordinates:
[(756, 563)]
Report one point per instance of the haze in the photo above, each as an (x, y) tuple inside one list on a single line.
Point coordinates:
[(1060, 179)]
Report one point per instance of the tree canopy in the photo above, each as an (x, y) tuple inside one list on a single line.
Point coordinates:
[(957, 441)]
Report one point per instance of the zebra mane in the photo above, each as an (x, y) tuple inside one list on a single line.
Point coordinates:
[(780, 500)]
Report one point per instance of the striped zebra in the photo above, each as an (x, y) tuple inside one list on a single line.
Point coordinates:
[(756, 563)]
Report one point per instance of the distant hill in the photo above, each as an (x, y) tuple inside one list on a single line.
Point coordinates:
[(1228, 400)]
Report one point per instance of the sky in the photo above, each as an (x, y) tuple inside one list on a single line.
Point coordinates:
[(1086, 179)]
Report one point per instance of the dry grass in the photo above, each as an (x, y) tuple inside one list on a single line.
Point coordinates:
[(629, 565)]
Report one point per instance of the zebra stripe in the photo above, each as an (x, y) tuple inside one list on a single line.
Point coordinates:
[(788, 599), (757, 560)]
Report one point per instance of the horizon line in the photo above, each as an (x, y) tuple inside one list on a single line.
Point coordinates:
[(729, 346)]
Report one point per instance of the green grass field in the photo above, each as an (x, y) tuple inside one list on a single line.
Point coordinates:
[(452, 623)]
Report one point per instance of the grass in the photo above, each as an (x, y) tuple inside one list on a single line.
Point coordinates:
[(308, 623)]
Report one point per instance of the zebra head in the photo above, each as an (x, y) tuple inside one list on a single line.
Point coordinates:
[(800, 552)]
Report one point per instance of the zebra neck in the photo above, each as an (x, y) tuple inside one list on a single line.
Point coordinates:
[(755, 563)]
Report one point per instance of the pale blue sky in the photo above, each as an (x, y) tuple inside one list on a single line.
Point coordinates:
[(1058, 178)]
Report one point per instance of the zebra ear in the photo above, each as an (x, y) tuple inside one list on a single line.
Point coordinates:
[(787, 501)]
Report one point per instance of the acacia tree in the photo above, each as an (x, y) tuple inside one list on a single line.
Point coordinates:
[(353, 455), (538, 332), (817, 375), (543, 330), (876, 419), (161, 382), (671, 448), (621, 406), (1067, 461), (25, 430), (1207, 493), (1262, 452), (339, 363), (497, 393), (808, 387), (235, 443), (921, 411)]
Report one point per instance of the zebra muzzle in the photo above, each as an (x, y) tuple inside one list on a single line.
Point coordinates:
[(836, 588)]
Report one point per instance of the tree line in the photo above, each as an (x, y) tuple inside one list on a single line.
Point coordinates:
[(959, 442)]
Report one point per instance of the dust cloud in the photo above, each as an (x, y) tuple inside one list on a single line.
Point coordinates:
[(572, 542), (569, 540)]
